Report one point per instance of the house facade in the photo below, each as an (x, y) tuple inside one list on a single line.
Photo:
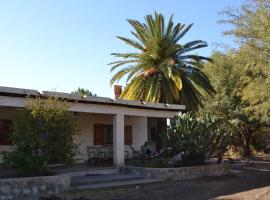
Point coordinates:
[(106, 124)]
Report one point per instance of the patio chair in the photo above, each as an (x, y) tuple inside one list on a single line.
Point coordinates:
[(136, 153), (144, 154), (126, 155), (92, 153), (105, 152)]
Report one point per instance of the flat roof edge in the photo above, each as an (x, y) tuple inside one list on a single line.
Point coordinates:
[(19, 92)]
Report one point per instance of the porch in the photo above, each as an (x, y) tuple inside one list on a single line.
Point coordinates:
[(106, 137), (107, 126), (103, 139)]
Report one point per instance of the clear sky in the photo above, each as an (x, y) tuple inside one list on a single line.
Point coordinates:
[(63, 44)]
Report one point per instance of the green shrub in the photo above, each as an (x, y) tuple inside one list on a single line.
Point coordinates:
[(158, 162), (197, 139), (42, 133)]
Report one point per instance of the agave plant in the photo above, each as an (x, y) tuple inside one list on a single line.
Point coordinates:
[(197, 139), (162, 69)]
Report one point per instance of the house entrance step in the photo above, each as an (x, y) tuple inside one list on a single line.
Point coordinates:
[(98, 171), (95, 181)]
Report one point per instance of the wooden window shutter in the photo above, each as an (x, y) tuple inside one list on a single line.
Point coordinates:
[(128, 135), (5, 132), (99, 134)]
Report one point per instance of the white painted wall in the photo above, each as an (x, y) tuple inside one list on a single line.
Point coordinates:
[(139, 130)]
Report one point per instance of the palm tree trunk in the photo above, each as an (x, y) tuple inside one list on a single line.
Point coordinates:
[(161, 129), (161, 126)]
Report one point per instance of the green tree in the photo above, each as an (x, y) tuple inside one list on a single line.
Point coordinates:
[(232, 79), (251, 27), (83, 92), (42, 133), (251, 63), (162, 69), (225, 78)]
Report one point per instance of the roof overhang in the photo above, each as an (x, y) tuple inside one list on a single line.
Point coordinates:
[(74, 98)]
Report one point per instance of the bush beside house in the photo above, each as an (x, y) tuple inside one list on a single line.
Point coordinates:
[(42, 133)]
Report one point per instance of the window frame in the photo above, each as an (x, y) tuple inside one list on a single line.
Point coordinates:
[(101, 139)]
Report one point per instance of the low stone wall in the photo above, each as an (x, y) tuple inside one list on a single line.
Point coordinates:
[(180, 173), (22, 187)]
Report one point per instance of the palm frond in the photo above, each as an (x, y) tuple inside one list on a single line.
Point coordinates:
[(185, 50), (117, 64), (126, 55), (120, 75), (131, 43), (169, 27), (194, 57), (183, 32)]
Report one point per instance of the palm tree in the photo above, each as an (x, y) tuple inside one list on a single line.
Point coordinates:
[(162, 69)]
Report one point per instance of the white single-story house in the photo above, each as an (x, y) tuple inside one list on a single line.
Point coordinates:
[(103, 122)]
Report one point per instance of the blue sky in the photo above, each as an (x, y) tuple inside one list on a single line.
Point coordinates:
[(63, 44)]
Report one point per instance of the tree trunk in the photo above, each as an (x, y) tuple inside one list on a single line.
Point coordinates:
[(247, 148), (219, 160), (161, 129), (161, 126)]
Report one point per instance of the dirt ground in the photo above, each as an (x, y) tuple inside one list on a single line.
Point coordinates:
[(252, 183)]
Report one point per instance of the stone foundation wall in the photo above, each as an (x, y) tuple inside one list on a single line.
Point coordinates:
[(23, 187), (180, 173)]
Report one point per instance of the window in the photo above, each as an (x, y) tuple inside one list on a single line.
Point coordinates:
[(108, 134), (153, 134), (103, 134), (128, 135), (99, 134), (5, 131)]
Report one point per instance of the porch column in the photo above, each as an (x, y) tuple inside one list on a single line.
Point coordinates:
[(118, 139)]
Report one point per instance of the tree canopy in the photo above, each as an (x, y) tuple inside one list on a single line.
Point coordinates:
[(251, 27), (162, 69), (83, 92), (241, 76)]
